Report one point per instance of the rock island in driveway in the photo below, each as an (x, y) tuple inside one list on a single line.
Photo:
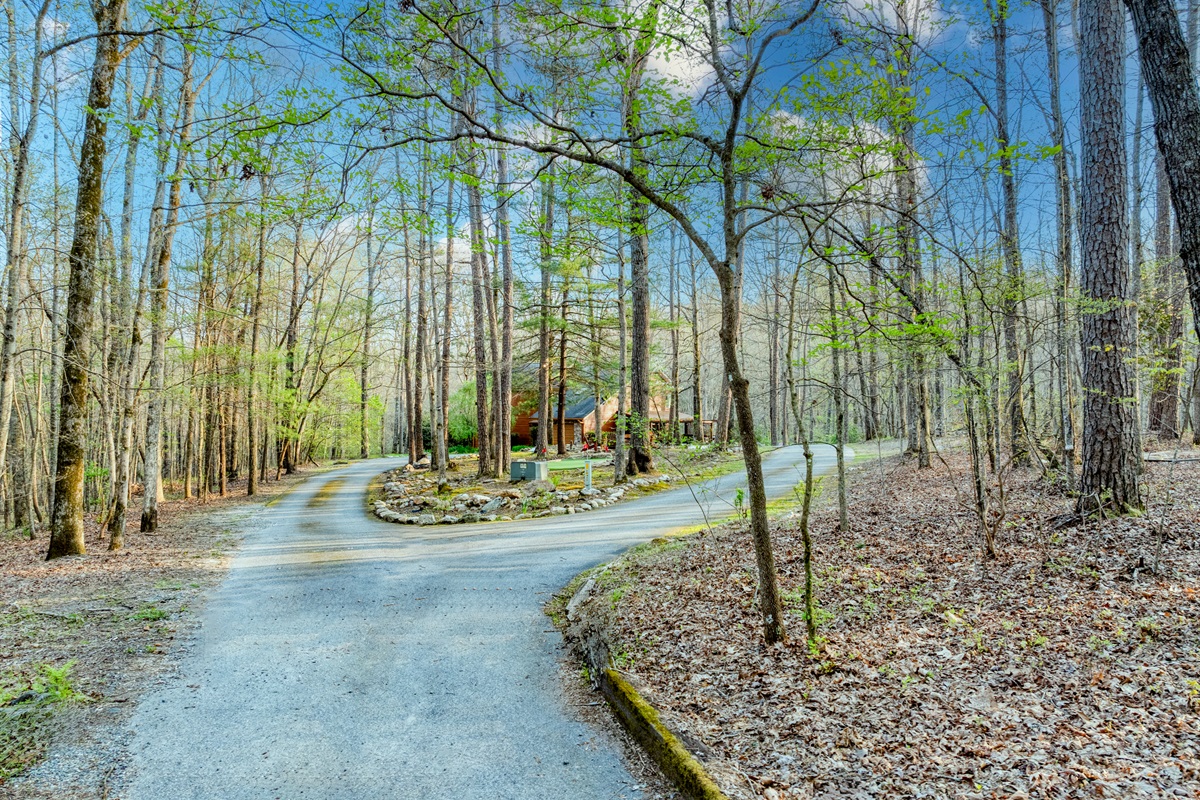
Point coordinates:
[(409, 495)]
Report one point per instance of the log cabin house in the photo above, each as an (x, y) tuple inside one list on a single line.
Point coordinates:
[(581, 422)]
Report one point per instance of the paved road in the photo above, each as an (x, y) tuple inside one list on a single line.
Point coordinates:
[(346, 658)]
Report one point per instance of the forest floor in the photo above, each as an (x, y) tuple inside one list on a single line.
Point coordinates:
[(81, 637), (1068, 666)]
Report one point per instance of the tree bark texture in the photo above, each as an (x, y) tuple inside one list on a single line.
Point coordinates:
[(1011, 246), (67, 534), (158, 311), (1168, 68), (1110, 476)]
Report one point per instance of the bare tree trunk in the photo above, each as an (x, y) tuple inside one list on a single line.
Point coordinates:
[(15, 238), (872, 393), (770, 601), (1062, 203), (697, 397), (1166, 316), (67, 534), (810, 621), (292, 379), (542, 442), (479, 292), (126, 418), (839, 402), (1011, 245), (502, 225), (131, 387), (1168, 68), (639, 458), (771, 307), (416, 443), (622, 339), (673, 301), (1110, 475), (260, 265), (442, 443), (491, 300), (635, 53), (560, 421), (365, 367), (438, 384), (158, 307), (916, 373)]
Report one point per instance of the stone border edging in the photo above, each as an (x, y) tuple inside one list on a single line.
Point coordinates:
[(643, 723), (635, 713)]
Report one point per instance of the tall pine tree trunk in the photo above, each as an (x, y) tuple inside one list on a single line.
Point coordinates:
[(1110, 456)]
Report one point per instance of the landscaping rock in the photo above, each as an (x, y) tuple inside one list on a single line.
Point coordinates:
[(449, 519), (427, 519), (491, 505)]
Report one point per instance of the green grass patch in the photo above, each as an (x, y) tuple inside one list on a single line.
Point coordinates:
[(148, 613), (577, 463), (29, 698)]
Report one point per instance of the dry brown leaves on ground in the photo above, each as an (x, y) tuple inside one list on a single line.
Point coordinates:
[(1064, 668)]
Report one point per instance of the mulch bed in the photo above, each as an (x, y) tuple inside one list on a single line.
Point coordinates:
[(1066, 667)]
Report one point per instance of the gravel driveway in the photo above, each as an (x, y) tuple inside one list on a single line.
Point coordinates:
[(344, 657)]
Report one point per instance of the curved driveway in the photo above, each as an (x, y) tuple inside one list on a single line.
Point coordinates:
[(344, 657)]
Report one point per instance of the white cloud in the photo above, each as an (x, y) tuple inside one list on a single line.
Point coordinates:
[(53, 28)]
